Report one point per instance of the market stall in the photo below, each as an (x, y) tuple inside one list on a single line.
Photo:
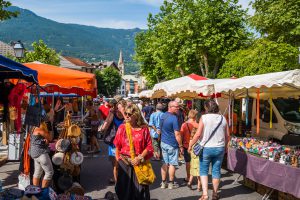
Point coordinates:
[(145, 94), (63, 80), (261, 160)]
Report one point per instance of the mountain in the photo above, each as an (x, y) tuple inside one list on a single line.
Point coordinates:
[(85, 42)]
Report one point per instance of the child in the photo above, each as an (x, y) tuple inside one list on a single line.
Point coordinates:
[(195, 167)]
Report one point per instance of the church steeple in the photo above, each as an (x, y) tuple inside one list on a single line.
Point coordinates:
[(121, 64)]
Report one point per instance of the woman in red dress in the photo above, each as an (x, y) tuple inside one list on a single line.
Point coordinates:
[(127, 186)]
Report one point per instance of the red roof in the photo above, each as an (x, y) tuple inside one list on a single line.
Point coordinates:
[(197, 77), (76, 61)]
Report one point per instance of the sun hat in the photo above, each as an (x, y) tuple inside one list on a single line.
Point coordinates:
[(76, 158), (76, 188), (58, 158), (62, 145), (74, 131)]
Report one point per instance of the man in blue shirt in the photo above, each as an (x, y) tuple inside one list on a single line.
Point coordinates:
[(171, 143), (154, 125)]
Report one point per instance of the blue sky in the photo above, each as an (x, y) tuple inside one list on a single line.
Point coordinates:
[(101, 13)]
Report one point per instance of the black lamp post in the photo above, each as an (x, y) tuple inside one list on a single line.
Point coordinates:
[(19, 49)]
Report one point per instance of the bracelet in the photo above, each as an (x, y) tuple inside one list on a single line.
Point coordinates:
[(141, 158)]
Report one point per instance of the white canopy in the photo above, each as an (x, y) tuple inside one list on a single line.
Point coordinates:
[(278, 84), (145, 94), (178, 87)]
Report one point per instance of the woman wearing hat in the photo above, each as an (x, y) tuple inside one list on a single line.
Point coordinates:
[(39, 151), (127, 186)]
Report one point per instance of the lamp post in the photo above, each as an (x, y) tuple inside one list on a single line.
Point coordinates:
[(18, 49)]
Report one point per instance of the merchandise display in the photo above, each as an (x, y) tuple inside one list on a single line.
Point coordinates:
[(288, 155)]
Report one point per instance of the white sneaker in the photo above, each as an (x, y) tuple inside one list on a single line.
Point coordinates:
[(172, 186), (163, 185)]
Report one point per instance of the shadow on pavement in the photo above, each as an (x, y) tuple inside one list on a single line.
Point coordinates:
[(188, 198), (231, 192)]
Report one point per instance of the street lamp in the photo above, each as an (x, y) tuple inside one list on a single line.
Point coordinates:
[(19, 49)]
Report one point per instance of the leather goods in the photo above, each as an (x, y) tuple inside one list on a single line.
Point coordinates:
[(198, 149), (74, 131), (13, 113), (144, 171)]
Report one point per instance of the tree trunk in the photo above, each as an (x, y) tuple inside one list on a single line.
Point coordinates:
[(180, 70), (205, 58), (201, 68), (216, 69)]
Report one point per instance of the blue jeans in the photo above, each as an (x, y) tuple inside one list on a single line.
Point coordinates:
[(170, 154), (213, 155)]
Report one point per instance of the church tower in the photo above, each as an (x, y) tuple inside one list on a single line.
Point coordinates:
[(121, 64)]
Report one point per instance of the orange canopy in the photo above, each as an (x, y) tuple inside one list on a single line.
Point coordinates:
[(58, 79)]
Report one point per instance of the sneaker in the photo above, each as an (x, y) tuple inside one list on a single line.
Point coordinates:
[(163, 185), (173, 185)]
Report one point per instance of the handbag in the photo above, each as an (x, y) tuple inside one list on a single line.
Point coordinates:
[(198, 148), (110, 135), (144, 171)]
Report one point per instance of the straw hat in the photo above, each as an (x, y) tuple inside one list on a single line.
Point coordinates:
[(76, 158), (58, 158), (74, 131), (62, 145), (76, 189)]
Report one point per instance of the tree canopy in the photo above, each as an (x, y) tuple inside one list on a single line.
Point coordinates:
[(108, 80), (41, 53), (5, 14), (190, 36)]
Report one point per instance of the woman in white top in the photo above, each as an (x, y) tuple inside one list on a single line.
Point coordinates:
[(214, 148)]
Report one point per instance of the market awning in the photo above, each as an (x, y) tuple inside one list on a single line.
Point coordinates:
[(59, 79), (10, 69), (278, 84), (145, 94), (179, 87)]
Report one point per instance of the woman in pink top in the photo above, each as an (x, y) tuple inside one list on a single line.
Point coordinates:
[(127, 186)]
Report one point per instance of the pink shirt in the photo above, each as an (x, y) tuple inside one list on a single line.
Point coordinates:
[(141, 141)]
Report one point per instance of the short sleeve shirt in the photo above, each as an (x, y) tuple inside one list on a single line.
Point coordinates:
[(169, 124)]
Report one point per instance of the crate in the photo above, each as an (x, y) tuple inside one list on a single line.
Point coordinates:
[(286, 196), (249, 183)]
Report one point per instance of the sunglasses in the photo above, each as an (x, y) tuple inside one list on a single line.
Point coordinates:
[(128, 114)]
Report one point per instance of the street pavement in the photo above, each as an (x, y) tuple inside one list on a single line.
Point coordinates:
[(97, 170)]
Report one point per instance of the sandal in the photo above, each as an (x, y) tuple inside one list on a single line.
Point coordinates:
[(204, 197), (189, 185), (215, 196), (199, 189)]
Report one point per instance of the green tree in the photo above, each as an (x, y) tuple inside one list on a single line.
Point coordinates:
[(42, 53), (108, 80), (263, 56), (5, 14), (190, 36), (278, 20)]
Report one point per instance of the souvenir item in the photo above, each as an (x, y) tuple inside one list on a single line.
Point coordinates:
[(76, 158), (30, 189), (65, 182), (77, 189), (74, 131), (58, 145), (58, 158), (282, 159), (288, 159), (13, 113), (65, 145)]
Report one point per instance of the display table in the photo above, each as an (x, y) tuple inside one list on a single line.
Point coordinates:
[(280, 177)]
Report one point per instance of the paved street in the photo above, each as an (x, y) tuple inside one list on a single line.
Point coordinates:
[(96, 171)]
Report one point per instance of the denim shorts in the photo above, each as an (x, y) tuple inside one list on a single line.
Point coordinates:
[(170, 154), (213, 155)]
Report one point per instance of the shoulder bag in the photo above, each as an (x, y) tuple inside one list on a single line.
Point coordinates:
[(144, 171), (198, 149), (34, 111)]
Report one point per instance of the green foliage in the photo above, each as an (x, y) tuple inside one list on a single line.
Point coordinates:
[(190, 36), (263, 56), (4, 13), (108, 80), (278, 20), (41, 53)]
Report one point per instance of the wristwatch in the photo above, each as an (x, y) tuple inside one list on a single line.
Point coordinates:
[(141, 158)]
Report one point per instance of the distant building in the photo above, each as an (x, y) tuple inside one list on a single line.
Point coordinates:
[(6, 49), (104, 64), (121, 65), (76, 64)]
